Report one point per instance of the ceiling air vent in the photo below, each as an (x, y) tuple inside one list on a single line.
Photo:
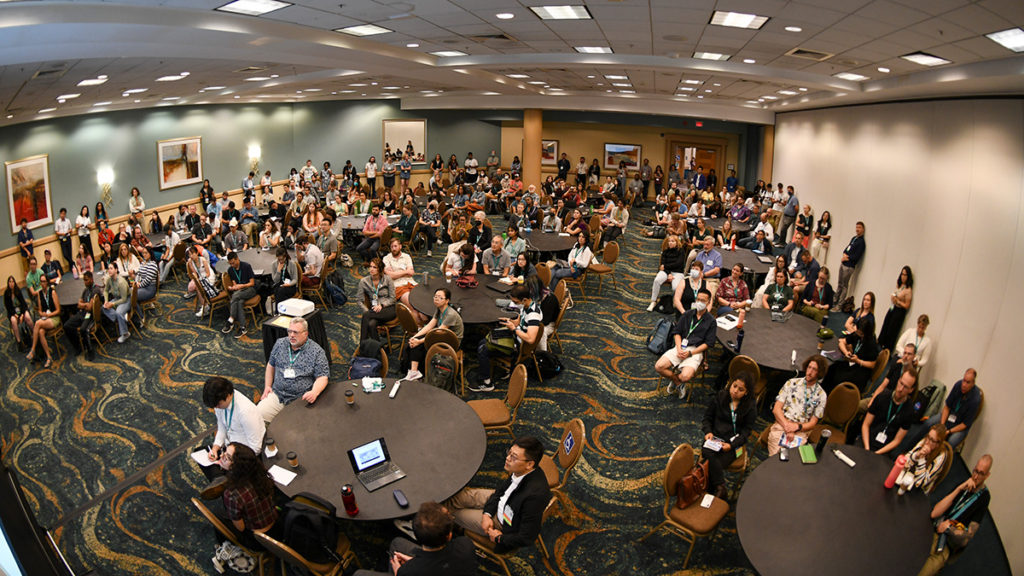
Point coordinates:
[(249, 69), (483, 38), (809, 54), (57, 73)]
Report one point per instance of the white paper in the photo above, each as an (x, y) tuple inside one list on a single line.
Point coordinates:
[(202, 457), (713, 445), (258, 271), (706, 502), (727, 322), (281, 476), (566, 234)]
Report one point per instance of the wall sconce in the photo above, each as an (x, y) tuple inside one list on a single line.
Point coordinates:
[(254, 157), (105, 177)]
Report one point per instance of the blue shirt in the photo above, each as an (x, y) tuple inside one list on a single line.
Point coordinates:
[(792, 205), (731, 183), (964, 407), (710, 260), (249, 215), (309, 363), (24, 236)]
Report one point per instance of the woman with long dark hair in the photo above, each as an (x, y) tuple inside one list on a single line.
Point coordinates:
[(248, 494), (729, 420), (17, 311), (892, 325)]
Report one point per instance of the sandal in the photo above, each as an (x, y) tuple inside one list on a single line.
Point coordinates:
[(48, 362), (30, 354)]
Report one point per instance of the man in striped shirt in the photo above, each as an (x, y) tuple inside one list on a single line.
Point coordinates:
[(526, 330)]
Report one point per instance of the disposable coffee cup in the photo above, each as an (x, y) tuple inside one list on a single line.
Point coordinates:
[(350, 397), (293, 459), (271, 449)]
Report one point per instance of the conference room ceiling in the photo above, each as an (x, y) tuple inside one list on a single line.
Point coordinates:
[(516, 60)]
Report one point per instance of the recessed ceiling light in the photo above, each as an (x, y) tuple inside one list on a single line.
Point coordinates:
[(346, 91), (253, 7), (518, 76), (93, 81), (313, 90), (390, 87), (68, 96), (212, 88), (135, 90), (769, 97), (925, 59), (137, 101), (751, 101), (622, 84), (710, 56), (561, 12), (717, 84), (373, 83), (449, 54), (883, 69), (851, 76), (794, 29), (237, 96), (504, 15), (555, 88), (171, 98), (738, 20), (412, 45), (686, 89), (1012, 39), (749, 61), (802, 89), (358, 84), (593, 49), (616, 77), (708, 90), (536, 82), (172, 77), (591, 76), (9, 116), (45, 110), (257, 78), (107, 103), (364, 30), (627, 91), (694, 81), (787, 92), (760, 99)]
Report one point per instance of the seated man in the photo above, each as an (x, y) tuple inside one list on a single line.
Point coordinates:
[(437, 552), (250, 220), (327, 241), (693, 334), (238, 420), (711, 259), (902, 364), (242, 288), (959, 411), (202, 233), (311, 260), (958, 516), (398, 266), (816, 298), (78, 326), (372, 229), (32, 279), (511, 515), (798, 407), (793, 250), (890, 416), (297, 368), (235, 240), (763, 225), (525, 330), (805, 274), (496, 261), (51, 268), (444, 317)]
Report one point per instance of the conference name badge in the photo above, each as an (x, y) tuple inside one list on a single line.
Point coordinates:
[(506, 515), (289, 373)]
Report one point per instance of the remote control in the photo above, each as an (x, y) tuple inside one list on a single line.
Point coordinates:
[(403, 502), (394, 389), (844, 458)]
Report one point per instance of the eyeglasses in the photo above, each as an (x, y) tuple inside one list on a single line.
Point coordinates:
[(290, 331), (979, 472), (511, 456), (225, 457)]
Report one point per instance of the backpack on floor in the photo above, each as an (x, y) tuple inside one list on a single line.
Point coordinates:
[(336, 288), (309, 530), (441, 373), (550, 365), (658, 340), (664, 305)]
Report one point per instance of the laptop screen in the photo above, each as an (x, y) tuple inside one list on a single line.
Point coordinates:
[(369, 454)]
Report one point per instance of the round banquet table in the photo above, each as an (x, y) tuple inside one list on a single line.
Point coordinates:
[(743, 256), (771, 344), (70, 289), (432, 435), (262, 261), (357, 221), (549, 241), (475, 305), (737, 227), (795, 519)]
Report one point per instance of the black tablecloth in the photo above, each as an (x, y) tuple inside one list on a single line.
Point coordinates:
[(771, 344), (797, 519), (475, 305), (549, 241), (432, 435), (317, 333)]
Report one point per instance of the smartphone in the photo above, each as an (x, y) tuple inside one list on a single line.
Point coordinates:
[(784, 454)]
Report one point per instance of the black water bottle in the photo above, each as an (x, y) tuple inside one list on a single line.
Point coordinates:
[(824, 320), (739, 340)]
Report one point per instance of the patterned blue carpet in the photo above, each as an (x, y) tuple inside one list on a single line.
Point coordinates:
[(100, 447)]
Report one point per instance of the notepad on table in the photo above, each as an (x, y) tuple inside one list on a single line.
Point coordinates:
[(281, 476)]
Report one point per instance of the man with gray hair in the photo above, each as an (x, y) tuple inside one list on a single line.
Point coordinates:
[(297, 368)]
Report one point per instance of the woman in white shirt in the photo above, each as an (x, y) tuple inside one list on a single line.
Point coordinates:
[(127, 262), (269, 236), (136, 205), (84, 224), (267, 188), (578, 261), (371, 175)]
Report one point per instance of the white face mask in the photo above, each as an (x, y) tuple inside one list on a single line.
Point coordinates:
[(694, 274), (700, 306)]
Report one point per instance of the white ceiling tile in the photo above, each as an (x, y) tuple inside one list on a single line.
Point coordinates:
[(984, 48), (911, 40), (865, 27), (935, 7), (978, 19), (1008, 9), (941, 30), (798, 13), (893, 13), (312, 18), (760, 7)]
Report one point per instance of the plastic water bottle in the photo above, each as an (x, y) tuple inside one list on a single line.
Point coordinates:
[(897, 467)]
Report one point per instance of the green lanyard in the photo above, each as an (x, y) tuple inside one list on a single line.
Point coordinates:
[(889, 416), (231, 412), (441, 316), (293, 357)]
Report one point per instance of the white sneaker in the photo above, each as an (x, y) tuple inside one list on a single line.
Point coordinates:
[(651, 307), (121, 339), (413, 375), (429, 253), (682, 392), (671, 388)]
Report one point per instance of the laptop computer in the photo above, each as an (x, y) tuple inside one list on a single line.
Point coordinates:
[(373, 466), (500, 287)]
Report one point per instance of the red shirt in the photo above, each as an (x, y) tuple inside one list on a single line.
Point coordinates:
[(244, 504)]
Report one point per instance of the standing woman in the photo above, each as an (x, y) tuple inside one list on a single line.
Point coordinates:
[(136, 205), (405, 171), (892, 326), (371, 175), (436, 166), (17, 311), (389, 171), (729, 418), (805, 223), (84, 224), (48, 307), (659, 179), (378, 303), (248, 494), (594, 172), (101, 212), (822, 235)]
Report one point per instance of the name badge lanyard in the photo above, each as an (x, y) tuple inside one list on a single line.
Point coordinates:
[(961, 504), (693, 326), (238, 278), (441, 316), (293, 357), (889, 415), (808, 399), (733, 413), (230, 412)]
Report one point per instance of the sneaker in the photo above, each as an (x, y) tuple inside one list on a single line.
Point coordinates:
[(123, 337), (429, 253), (240, 333), (227, 328), (188, 295), (484, 386), (671, 388), (405, 527), (682, 392), (413, 375), (651, 307)]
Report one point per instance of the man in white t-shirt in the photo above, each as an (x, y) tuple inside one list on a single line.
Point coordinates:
[(398, 267), (471, 165), (62, 228)]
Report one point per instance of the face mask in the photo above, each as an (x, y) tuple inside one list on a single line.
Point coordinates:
[(700, 306), (694, 274)]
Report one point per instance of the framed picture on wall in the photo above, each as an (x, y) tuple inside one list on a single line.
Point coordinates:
[(549, 152), (628, 153), (28, 192), (401, 136), (180, 162)]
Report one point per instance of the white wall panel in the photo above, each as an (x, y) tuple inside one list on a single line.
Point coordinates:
[(939, 186)]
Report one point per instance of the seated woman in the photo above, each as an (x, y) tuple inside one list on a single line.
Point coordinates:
[(524, 272), (107, 255), (444, 317), (127, 262), (311, 219), (461, 263), (769, 279), (670, 269), (817, 300), (48, 309), (514, 244), (677, 226), (866, 310), (576, 224), (924, 461), (248, 494), (578, 261), (686, 292), (615, 223), (779, 296), (146, 279), (729, 418), (269, 236), (285, 275), (861, 351), (199, 265), (83, 262), (289, 235), (725, 236), (378, 301), (17, 311)]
